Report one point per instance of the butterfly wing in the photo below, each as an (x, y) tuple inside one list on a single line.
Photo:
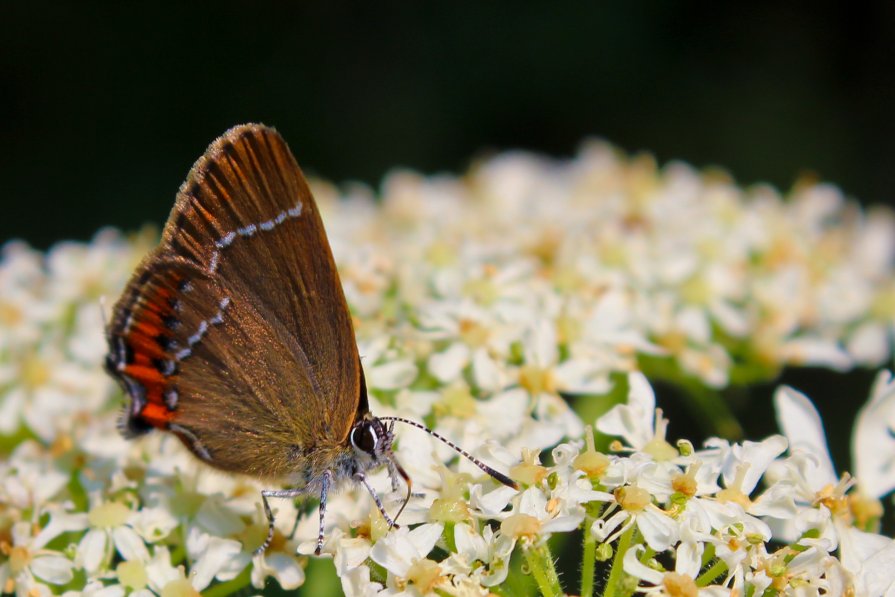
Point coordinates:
[(235, 334)]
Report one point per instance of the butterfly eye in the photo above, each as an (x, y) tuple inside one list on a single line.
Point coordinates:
[(363, 437)]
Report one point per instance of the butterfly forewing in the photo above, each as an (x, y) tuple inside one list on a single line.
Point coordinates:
[(239, 316)]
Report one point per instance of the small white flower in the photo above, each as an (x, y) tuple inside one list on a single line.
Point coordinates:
[(110, 529), (484, 557), (29, 565), (403, 554)]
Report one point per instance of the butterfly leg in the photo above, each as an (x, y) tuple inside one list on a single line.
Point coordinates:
[(393, 475), (363, 479), (275, 493), (324, 488)]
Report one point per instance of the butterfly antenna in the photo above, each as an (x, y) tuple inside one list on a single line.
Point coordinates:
[(493, 473)]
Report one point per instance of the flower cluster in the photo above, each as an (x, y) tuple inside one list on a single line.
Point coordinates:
[(481, 304)]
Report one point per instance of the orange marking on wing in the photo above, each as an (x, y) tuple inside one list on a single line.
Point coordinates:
[(157, 415), (145, 345), (210, 217), (145, 375), (154, 394)]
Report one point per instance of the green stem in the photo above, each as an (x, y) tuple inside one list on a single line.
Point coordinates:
[(716, 570), (617, 574), (540, 562), (588, 561), (710, 407), (231, 586)]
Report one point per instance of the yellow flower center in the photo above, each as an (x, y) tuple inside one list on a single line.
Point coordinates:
[(537, 380), (456, 401), (686, 483), (441, 254), (425, 575), (34, 372), (734, 493), (132, 574), (483, 291), (591, 462), (632, 499), (473, 333), (10, 315), (521, 525), (108, 515), (678, 585), (448, 510), (529, 471), (19, 558), (866, 511), (180, 588)]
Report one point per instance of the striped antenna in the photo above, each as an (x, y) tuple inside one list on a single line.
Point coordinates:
[(495, 474)]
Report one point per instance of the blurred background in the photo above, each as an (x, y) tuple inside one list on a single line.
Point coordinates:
[(104, 107)]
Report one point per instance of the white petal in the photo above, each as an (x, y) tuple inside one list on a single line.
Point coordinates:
[(688, 558), (55, 570), (400, 549), (447, 366), (217, 554), (392, 375), (60, 521), (602, 529), (632, 566), (92, 549), (154, 524), (286, 569), (659, 530), (632, 421), (469, 544), (488, 376), (356, 583), (218, 519), (539, 344), (777, 502), (97, 589), (580, 377), (869, 344), (350, 554), (129, 544), (11, 410), (817, 352), (493, 502), (803, 428), (563, 524), (873, 448), (756, 456), (424, 538)]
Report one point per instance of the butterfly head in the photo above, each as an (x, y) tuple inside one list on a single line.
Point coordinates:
[(372, 441)]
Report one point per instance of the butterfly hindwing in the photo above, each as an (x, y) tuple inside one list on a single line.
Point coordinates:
[(238, 317)]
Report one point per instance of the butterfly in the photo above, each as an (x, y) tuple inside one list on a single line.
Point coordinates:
[(235, 336)]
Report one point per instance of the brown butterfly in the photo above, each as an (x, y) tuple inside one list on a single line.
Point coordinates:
[(235, 336)]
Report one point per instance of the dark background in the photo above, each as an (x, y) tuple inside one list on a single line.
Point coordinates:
[(103, 108)]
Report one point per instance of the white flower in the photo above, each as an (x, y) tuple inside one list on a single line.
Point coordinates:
[(679, 582), (638, 422), (29, 565), (403, 554), (110, 528), (631, 505), (873, 446), (485, 557), (865, 555)]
